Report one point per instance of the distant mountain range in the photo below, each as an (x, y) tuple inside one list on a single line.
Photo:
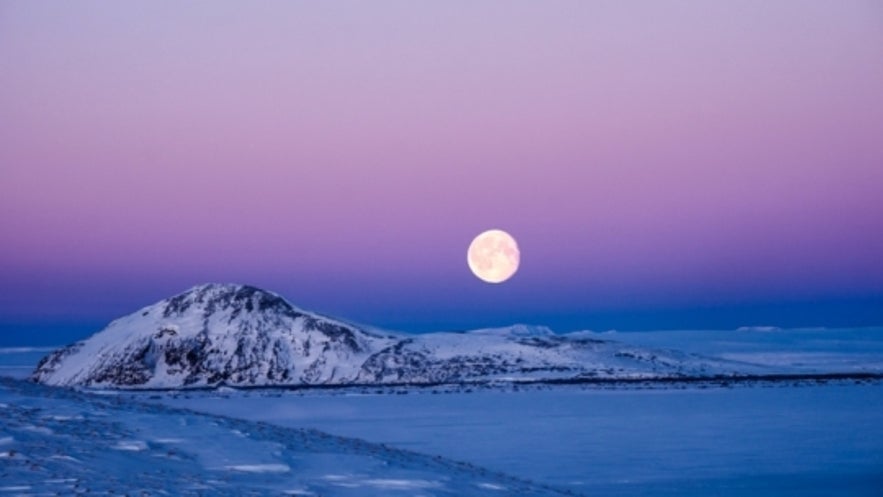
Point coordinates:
[(236, 335)]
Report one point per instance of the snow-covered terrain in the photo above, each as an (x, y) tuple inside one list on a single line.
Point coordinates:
[(215, 334), (236, 335), (62, 442), (798, 350), (674, 439), (755, 440)]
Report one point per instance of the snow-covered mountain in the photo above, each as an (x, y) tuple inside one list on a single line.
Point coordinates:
[(222, 334)]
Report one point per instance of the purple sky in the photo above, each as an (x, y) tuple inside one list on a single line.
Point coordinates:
[(648, 156)]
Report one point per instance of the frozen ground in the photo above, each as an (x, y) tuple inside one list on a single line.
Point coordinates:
[(57, 442), (757, 441), (762, 440)]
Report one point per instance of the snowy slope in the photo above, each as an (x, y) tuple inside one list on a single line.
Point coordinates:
[(239, 335), (512, 354), (214, 334), (62, 442)]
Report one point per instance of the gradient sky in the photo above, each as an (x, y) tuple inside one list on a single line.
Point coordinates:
[(662, 164)]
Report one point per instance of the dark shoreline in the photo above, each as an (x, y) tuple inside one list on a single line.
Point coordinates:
[(650, 382)]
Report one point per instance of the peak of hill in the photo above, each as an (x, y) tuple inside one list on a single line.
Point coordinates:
[(239, 335)]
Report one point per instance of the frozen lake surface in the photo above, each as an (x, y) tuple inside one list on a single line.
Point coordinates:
[(761, 440), (62, 442), (772, 440)]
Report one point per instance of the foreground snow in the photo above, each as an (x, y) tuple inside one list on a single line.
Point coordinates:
[(676, 439), (773, 439), (61, 442)]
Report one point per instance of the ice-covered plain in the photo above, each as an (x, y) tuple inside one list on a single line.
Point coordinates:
[(62, 442), (676, 439), (788, 439)]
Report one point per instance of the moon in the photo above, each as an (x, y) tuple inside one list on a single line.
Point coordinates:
[(493, 256)]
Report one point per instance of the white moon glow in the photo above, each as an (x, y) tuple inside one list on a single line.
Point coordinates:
[(493, 256)]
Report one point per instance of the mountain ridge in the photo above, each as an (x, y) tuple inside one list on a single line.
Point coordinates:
[(240, 335)]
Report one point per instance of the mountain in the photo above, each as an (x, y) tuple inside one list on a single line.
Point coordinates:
[(237, 335)]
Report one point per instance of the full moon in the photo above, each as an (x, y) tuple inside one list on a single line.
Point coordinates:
[(493, 256)]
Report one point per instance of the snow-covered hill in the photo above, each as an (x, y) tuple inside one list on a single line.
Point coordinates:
[(237, 335)]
